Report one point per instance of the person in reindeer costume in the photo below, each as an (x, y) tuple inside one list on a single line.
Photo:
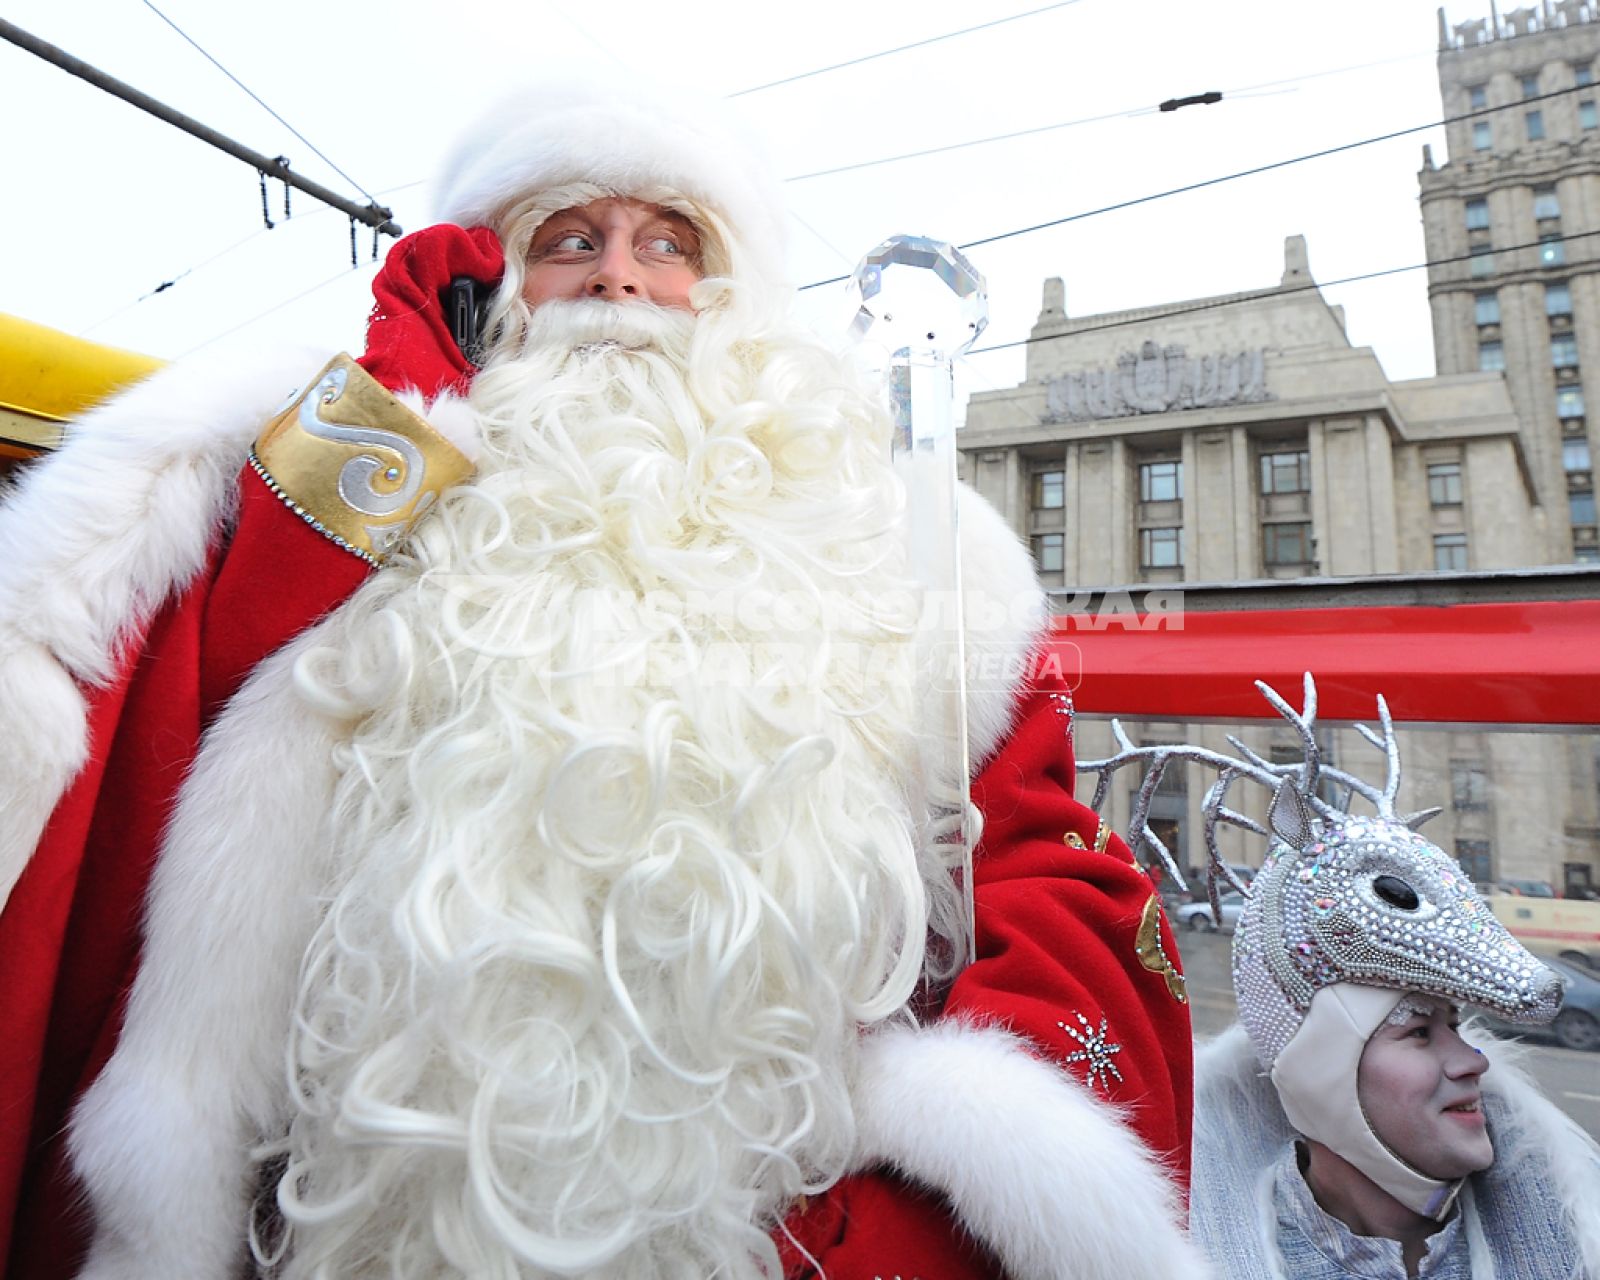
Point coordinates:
[(1349, 1126), (420, 865)]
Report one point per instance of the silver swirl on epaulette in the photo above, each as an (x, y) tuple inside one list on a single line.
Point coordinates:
[(355, 477)]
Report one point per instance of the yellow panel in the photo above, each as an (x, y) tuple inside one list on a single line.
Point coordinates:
[(48, 374)]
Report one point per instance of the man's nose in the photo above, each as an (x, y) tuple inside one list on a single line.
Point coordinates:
[(1465, 1062), (615, 274)]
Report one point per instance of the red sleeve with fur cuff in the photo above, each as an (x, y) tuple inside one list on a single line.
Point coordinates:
[(1060, 984), (69, 934), (1061, 961)]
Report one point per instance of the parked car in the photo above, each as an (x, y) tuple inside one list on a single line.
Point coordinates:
[(1564, 928), (1197, 915), (1525, 888), (1174, 896), (1577, 1026)]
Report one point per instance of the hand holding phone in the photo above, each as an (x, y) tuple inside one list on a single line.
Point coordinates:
[(467, 306), (412, 338)]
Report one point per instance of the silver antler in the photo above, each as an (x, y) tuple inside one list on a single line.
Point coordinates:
[(1304, 776)]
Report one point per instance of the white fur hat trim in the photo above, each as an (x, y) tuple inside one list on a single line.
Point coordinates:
[(623, 140)]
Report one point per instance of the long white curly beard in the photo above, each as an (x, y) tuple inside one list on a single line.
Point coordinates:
[(626, 851)]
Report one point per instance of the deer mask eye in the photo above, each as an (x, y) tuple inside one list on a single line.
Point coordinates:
[(1396, 892)]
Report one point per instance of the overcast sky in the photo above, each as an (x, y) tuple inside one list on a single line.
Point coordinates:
[(101, 203)]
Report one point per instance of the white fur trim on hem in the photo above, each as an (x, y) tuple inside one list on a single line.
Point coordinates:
[(1047, 1176), (162, 1139)]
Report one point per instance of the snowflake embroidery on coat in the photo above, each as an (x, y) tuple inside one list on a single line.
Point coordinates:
[(1097, 1051), (1062, 703)]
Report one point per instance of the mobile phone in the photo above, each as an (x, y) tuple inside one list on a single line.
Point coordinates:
[(466, 304)]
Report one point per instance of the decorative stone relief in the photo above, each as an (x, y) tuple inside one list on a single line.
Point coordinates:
[(1156, 379)]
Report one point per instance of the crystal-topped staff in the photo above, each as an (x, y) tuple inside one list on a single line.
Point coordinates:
[(924, 303)]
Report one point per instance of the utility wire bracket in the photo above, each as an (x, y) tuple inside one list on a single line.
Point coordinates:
[(373, 215)]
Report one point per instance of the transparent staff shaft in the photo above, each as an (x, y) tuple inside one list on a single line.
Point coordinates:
[(925, 454), (921, 303)]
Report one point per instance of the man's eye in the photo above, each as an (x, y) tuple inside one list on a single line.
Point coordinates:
[(573, 242), (663, 244), (1422, 1032)]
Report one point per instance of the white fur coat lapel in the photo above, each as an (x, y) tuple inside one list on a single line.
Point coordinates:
[(93, 540)]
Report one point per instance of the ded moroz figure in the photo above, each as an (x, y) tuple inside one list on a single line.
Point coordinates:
[(428, 856)]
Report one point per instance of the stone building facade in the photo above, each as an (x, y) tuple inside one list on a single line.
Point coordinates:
[(1243, 437), (1512, 226)]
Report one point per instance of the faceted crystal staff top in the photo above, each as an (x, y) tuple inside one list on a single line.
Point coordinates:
[(917, 294)]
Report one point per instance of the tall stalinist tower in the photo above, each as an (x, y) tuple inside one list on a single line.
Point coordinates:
[(1513, 222)]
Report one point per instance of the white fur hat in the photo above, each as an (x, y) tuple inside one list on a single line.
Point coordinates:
[(623, 140)]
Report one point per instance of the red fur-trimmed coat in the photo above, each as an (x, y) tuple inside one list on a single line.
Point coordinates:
[(152, 600)]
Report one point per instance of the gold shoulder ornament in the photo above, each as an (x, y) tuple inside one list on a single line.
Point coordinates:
[(354, 463)]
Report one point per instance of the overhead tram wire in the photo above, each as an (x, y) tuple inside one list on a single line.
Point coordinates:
[(915, 44), (1149, 315), (372, 215), (220, 254), (1127, 113), (259, 102), (1230, 177), (973, 142), (344, 274), (1248, 90)]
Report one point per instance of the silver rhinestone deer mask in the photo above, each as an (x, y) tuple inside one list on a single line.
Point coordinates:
[(1341, 897)]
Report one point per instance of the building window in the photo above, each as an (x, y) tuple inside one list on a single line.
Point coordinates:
[(1286, 472), (1575, 455), (1286, 544), (1580, 506), (1558, 299), (1160, 548), (1586, 555), (1160, 481), (1450, 552), (1469, 786), (1480, 135), (1588, 117), (1552, 251), (1491, 357), (1049, 490), (1564, 351), (1569, 402), (1582, 75), (1535, 126), (1530, 86), (1545, 203), (1049, 552), (1444, 484), (1473, 855), (1482, 260), (1477, 214), (1478, 96), (1486, 307)]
